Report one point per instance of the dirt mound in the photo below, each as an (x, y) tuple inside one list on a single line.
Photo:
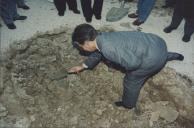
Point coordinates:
[(30, 98)]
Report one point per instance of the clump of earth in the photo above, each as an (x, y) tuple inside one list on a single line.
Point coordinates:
[(31, 97)]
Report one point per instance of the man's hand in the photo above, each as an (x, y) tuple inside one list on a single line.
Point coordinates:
[(76, 69)]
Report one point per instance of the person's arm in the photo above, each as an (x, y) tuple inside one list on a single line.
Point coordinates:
[(92, 60), (89, 63)]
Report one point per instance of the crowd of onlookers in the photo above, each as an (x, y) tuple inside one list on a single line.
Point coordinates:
[(183, 9), (9, 12)]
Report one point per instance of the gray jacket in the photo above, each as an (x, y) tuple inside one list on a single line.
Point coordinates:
[(131, 50)]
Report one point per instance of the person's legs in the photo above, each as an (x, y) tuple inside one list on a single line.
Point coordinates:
[(5, 12), (169, 3), (14, 12), (97, 8), (61, 6), (73, 6), (132, 86), (139, 6), (145, 9), (135, 15), (188, 30), (8, 11), (21, 4), (176, 20), (15, 15), (174, 56), (87, 9)]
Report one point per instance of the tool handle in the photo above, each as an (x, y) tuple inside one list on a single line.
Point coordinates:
[(122, 3)]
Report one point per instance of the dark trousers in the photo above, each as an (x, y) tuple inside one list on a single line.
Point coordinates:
[(8, 11), (88, 10), (170, 3), (20, 3), (61, 5), (176, 20)]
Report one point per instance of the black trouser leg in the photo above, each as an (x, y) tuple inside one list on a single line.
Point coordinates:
[(72, 4), (176, 19), (86, 8), (8, 11), (60, 5), (170, 3), (21, 3), (189, 27), (97, 7)]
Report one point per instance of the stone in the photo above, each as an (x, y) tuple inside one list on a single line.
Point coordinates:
[(58, 75), (3, 111), (73, 120), (19, 46), (99, 112), (154, 117), (169, 114), (22, 123)]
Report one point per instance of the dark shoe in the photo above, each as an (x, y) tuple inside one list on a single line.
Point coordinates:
[(76, 11), (11, 26), (25, 7), (168, 29), (21, 18), (186, 38), (137, 22), (98, 17), (120, 104), (61, 13), (180, 57), (88, 19), (133, 15)]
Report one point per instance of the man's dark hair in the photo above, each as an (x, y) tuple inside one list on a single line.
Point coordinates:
[(82, 33)]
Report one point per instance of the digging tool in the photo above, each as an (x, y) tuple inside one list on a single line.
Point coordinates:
[(116, 14)]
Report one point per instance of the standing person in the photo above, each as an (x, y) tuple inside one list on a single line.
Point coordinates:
[(140, 54), (144, 8), (183, 10), (9, 13), (61, 6), (89, 11), (169, 3), (21, 4)]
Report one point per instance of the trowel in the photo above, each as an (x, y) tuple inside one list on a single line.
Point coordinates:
[(116, 14)]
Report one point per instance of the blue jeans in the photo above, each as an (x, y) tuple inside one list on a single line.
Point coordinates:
[(144, 7), (8, 11)]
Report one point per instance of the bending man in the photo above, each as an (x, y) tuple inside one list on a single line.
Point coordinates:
[(140, 54)]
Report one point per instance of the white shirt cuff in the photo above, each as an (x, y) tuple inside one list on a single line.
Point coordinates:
[(84, 65)]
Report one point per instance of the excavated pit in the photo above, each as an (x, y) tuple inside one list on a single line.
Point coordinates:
[(30, 98)]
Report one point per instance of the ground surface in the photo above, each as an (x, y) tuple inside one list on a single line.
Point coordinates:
[(43, 17), (30, 97)]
